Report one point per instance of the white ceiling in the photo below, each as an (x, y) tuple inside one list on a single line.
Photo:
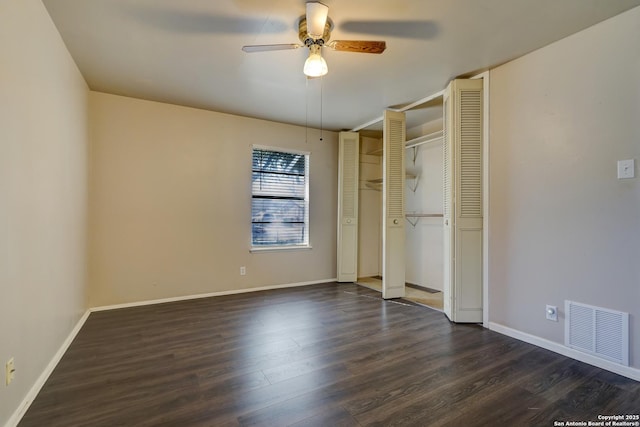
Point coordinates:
[(188, 52)]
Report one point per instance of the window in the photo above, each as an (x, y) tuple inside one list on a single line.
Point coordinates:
[(279, 199)]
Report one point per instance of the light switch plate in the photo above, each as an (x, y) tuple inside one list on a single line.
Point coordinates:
[(626, 169)]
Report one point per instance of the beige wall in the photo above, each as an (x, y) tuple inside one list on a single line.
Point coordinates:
[(170, 207), (561, 225), (43, 195)]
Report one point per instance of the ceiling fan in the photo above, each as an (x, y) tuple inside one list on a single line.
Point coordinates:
[(314, 31)]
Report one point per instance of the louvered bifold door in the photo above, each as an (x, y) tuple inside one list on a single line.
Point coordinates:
[(347, 263), (393, 237), (467, 208)]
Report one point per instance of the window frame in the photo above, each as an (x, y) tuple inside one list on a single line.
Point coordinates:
[(307, 234)]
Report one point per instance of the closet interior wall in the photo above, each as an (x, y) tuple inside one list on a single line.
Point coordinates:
[(424, 195), (370, 208)]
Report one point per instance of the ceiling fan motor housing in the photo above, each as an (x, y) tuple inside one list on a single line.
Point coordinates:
[(306, 38)]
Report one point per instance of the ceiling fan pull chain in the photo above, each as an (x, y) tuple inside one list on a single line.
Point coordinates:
[(321, 89), (306, 110)]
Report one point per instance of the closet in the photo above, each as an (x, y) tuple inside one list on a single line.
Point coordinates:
[(386, 177), (407, 186)]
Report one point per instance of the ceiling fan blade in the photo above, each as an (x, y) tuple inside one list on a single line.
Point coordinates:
[(270, 47), (317, 14), (362, 46), (408, 29)]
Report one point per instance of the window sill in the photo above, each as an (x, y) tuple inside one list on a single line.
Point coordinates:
[(278, 248)]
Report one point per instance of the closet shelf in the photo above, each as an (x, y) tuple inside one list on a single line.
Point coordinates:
[(376, 183), (374, 186), (408, 175), (425, 139), (415, 142)]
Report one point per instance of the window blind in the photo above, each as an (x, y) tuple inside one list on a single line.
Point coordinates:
[(279, 192)]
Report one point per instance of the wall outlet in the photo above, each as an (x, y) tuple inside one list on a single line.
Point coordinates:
[(552, 313), (243, 270), (10, 371)]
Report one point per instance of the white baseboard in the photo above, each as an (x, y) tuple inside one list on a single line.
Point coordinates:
[(37, 386), (625, 371), (210, 294)]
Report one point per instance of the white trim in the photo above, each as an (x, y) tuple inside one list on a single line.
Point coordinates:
[(279, 149), (485, 198), (625, 371), (367, 124), (400, 110), (266, 248), (44, 376), (207, 295), (422, 101)]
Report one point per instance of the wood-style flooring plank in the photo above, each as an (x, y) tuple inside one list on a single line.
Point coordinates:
[(322, 355)]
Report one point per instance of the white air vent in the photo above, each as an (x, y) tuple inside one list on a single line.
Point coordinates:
[(598, 331)]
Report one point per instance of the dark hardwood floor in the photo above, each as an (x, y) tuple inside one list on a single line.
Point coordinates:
[(323, 355)]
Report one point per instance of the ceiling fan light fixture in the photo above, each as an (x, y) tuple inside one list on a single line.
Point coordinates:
[(315, 65)]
